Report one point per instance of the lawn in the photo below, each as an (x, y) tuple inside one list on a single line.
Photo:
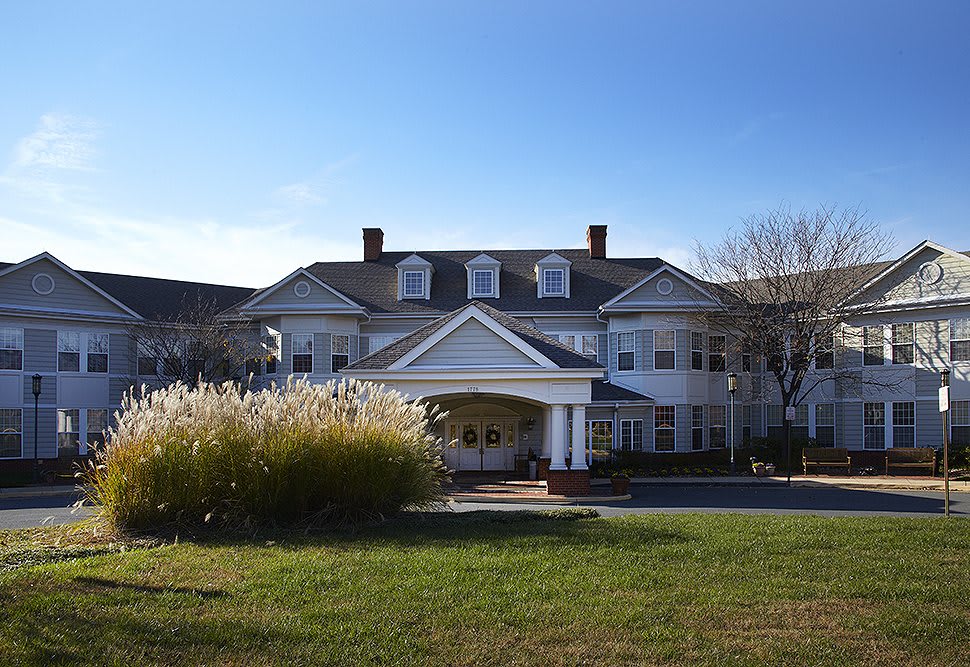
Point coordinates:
[(501, 588)]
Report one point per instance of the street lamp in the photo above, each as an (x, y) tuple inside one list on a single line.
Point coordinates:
[(732, 386), (945, 409), (35, 388)]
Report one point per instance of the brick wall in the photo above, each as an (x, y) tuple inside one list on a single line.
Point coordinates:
[(568, 482)]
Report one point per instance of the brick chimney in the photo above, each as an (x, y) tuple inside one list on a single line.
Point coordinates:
[(596, 240), (373, 243)]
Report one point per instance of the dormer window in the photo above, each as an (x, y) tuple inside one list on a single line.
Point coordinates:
[(414, 278), (413, 284), (483, 277), (553, 282), (552, 276)]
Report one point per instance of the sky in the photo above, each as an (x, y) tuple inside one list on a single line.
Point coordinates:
[(234, 142)]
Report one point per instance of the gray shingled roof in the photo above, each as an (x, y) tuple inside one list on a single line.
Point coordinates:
[(605, 392), (592, 281), (559, 354)]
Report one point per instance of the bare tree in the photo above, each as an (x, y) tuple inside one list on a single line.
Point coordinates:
[(785, 283), (197, 343)]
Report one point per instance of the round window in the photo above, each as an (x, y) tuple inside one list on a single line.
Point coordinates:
[(929, 273), (302, 289), (664, 286), (42, 283)]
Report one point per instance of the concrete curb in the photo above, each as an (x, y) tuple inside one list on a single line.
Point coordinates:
[(873, 484), (40, 492), (534, 500)]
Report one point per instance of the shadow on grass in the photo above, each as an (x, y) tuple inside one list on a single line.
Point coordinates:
[(99, 583)]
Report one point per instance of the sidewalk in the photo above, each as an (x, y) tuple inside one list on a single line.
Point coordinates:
[(42, 491), (816, 481)]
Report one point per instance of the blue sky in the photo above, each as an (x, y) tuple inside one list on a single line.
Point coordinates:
[(233, 142)]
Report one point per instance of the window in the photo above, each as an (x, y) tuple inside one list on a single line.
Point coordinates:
[(775, 420), (696, 351), (902, 337), (825, 354), (98, 352), (585, 344), (799, 426), (302, 353), (825, 424), (872, 346), (68, 432), (196, 353), (11, 432), (68, 351), (631, 434), (697, 427), (568, 340), (716, 357), (717, 415), (625, 359), (745, 425), (254, 367), (960, 340), (339, 351), (960, 422), (664, 350), (745, 357), (874, 425), (483, 283), (664, 427), (97, 425), (147, 362), (11, 349), (377, 342), (904, 424), (272, 346), (413, 283), (554, 282), (599, 436)]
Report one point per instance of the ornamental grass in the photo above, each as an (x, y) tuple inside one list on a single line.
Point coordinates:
[(298, 455)]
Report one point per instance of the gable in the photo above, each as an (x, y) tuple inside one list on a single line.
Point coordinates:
[(662, 288), (472, 344), (26, 287), (288, 294), (930, 275)]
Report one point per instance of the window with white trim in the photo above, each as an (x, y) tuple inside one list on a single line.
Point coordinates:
[(68, 351), (87, 350), (625, 351), (904, 424), (873, 342), (599, 437), (717, 353), (377, 342), (97, 357), (745, 356), (960, 422), (664, 428), (147, 361), (271, 346), (68, 432), (696, 351), (339, 351), (696, 427), (799, 426), (960, 339), (11, 433), (774, 420), (483, 282), (587, 345), (553, 282), (874, 425), (664, 350), (97, 425), (825, 353), (717, 426), (746, 425), (11, 349), (825, 424), (631, 434), (302, 354), (413, 284), (903, 342)]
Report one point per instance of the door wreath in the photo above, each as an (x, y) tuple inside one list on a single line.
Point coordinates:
[(470, 437)]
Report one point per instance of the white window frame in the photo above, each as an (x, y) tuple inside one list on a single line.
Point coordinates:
[(333, 340), (815, 424), (294, 353), (959, 418), (965, 325), (383, 340), (747, 432), (696, 350), (491, 282), (546, 274), (717, 423), (631, 436), (881, 346), (577, 342), (87, 425), (272, 344), (8, 429), (903, 427), (84, 340), (632, 337), (911, 344), (589, 433), (66, 345), (697, 427), (411, 294), (82, 447), (12, 339), (673, 337), (871, 426), (830, 350), (672, 428), (711, 354)]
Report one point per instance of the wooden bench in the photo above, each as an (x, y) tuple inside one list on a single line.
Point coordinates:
[(826, 456), (911, 457)]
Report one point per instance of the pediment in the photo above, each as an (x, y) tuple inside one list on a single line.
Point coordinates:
[(665, 287), (929, 274), (414, 261), (300, 291), (473, 344)]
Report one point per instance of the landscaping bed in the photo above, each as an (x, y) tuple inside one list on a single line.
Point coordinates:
[(497, 588)]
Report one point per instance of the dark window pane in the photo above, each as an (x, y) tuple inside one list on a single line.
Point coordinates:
[(68, 361), (11, 360), (147, 365), (960, 350), (302, 363), (97, 363), (338, 361), (9, 445)]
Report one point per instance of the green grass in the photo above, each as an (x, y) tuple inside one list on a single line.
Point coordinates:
[(501, 588)]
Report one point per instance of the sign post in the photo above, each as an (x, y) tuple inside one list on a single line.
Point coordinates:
[(945, 411), (789, 418)]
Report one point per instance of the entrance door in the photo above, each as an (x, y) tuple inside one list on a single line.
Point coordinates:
[(493, 446), (470, 446), (482, 445)]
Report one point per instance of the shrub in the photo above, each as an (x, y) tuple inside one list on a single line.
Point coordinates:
[(302, 454)]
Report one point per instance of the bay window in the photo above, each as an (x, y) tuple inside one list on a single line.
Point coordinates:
[(302, 355), (11, 349), (664, 350), (664, 428), (625, 359)]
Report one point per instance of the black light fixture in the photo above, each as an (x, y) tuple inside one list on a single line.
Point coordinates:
[(732, 386), (36, 389), (945, 411), (530, 423)]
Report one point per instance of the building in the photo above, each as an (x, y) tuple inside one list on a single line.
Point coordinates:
[(567, 353)]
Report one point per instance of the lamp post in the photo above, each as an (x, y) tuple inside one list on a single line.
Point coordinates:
[(732, 386), (35, 388), (945, 409)]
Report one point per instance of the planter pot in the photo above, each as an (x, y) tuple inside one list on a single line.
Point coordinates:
[(620, 485), (769, 469), (533, 470), (759, 470)]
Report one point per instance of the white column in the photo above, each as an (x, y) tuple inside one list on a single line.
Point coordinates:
[(557, 437), (546, 433), (579, 438)]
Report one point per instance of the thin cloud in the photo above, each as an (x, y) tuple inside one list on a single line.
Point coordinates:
[(317, 188), (61, 141)]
